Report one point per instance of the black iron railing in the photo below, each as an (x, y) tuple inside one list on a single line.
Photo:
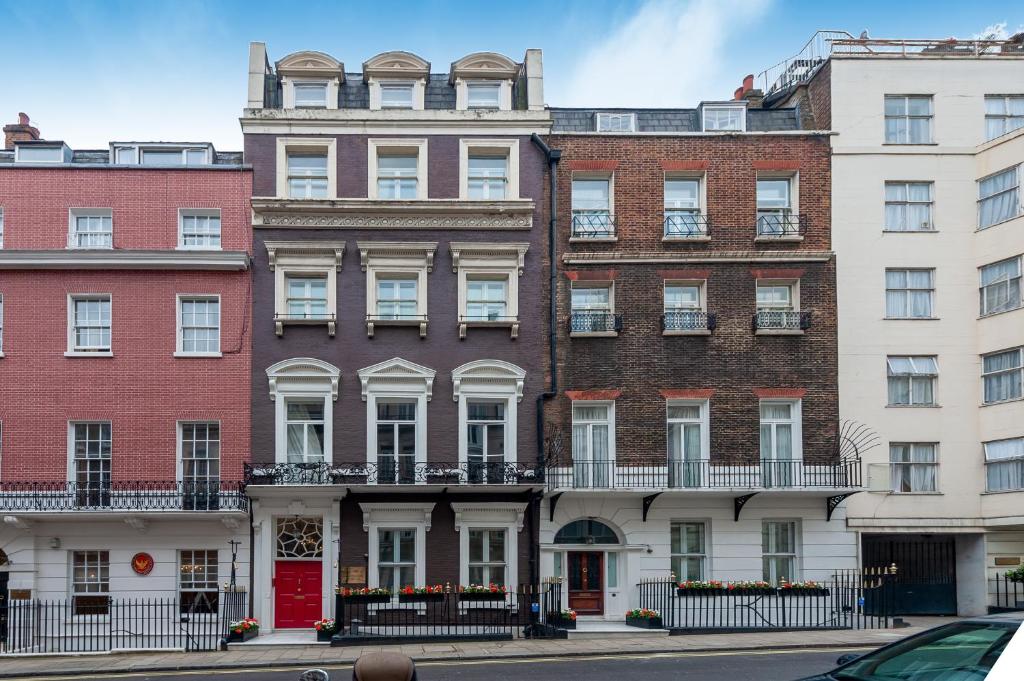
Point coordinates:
[(763, 474), (132, 495), (100, 623), (688, 320), (305, 317), (686, 225), (849, 600), (402, 472), (1007, 594), (395, 317), (594, 322), (593, 225), (781, 320), (781, 225)]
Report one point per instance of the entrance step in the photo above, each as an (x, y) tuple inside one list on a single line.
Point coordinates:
[(598, 629), (303, 637)]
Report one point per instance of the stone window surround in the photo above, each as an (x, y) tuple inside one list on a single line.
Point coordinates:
[(402, 259), (200, 212), (71, 351), (498, 147), (419, 89), (398, 379), (382, 516), (288, 84), (306, 145), (75, 213), (491, 261), (418, 147), (302, 378), (310, 258), (504, 92), (179, 342), (490, 516), (493, 381)]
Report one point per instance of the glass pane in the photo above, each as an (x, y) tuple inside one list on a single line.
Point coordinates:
[(305, 411), (682, 194), (773, 193), (307, 164), (407, 546), (895, 106), (591, 298), (590, 194), (682, 296), (396, 96), (476, 546)]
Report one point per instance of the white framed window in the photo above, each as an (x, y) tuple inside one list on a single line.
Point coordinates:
[(593, 443), (310, 94), (1003, 114), (396, 393), (396, 283), (485, 440), (781, 435), (999, 197), (486, 299), (198, 590), (913, 467), (483, 95), (396, 95), (615, 122), (89, 324), (777, 215), (909, 293), (908, 119), (718, 118), (305, 429), (398, 169), (306, 296), (683, 214), (303, 391), (173, 156), (689, 556), (396, 299), (307, 168), (1000, 286), (912, 381), (199, 447), (396, 558), (592, 208), (90, 582), (34, 153), (488, 556), (91, 451), (91, 228), (199, 229), (488, 177), (689, 443), (779, 552), (489, 169), (592, 308), (488, 392), (1002, 375), (198, 326), (1004, 464), (908, 206), (488, 283), (778, 307), (684, 307), (307, 176), (396, 543), (305, 282), (396, 440)]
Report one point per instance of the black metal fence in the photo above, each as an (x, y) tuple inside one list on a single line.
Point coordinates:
[(1007, 595), (400, 471), (850, 600), (444, 616), (100, 624), (124, 495)]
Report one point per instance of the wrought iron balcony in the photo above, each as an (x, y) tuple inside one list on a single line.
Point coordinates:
[(135, 495), (405, 471), (781, 225), (590, 321), (593, 224), (686, 225), (781, 320), (688, 320), (754, 475)]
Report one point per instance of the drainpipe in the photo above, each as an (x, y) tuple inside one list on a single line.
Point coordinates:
[(552, 156)]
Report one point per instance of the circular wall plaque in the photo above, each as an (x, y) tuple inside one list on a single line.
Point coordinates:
[(142, 563)]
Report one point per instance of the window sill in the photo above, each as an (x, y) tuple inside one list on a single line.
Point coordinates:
[(198, 248), (996, 314), (1001, 222), (775, 239), (199, 354), (916, 494), (913, 406), (593, 240), (685, 239), (909, 231), (779, 332), (996, 404), (593, 334), (688, 332), (280, 323), (910, 144), (372, 322), (911, 319), (78, 353), (1002, 491), (90, 248), (511, 324)]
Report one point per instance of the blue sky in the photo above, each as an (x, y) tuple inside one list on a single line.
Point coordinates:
[(90, 72)]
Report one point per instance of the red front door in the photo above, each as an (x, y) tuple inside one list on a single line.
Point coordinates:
[(297, 593), (586, 587)]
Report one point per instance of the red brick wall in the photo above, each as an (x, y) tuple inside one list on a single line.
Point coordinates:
[(819, 91)]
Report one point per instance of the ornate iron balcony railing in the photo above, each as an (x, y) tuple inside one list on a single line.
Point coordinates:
[(594, 322), (688, 320), (781, 225), (593, 224), (686, 225), (405, 471), (703, 474), (781, 320), (305, 316), (134, 495)]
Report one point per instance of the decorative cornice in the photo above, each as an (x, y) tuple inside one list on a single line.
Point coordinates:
[(486, 65), (660, 257), (128, 259), (420, 250), (369, 509), (488, 371), (396, 64), (439, 214), (310, 63), (307, 247), (305, 370), (497, 250), (491, 512), (397, 369)]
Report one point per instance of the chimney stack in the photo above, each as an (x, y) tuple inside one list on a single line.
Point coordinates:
[(22, 131)]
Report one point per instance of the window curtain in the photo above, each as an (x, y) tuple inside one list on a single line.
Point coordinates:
[(1005, 464), (899, 390), (922, 471), (896, 294), (602, 464), (1002, 386), (920, 284), (580, 456), (1000, 198)]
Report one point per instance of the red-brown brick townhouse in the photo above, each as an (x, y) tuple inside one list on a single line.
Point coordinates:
[(695, 423), (399, 324), (124, 373)]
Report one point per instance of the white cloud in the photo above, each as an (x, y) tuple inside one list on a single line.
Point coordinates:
[(996, 32), (669, 53)]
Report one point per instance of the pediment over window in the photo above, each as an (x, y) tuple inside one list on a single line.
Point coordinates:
[(489, 372), (484, 65), (397, 372), (310, 63), (303, 373), (396, 64)]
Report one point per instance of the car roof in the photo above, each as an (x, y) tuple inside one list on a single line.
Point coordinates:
[(1016, 617)]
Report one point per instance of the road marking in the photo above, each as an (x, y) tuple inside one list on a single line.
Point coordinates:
[(452, 663)]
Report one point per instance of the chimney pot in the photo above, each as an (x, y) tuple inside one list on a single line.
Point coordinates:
[(748, 82), (738, 94)]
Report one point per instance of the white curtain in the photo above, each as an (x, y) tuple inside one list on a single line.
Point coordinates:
[(1002, 386), (1000, 198), (599, 433)]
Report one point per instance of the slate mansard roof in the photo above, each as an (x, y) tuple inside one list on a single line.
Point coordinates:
[(671, 120)]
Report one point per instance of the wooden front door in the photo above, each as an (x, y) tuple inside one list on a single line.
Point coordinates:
[(586, 583), (298, 595)]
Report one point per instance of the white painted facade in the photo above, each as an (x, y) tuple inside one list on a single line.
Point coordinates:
[(987, 525)]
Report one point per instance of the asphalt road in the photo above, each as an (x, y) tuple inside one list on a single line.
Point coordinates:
[(761, 665)]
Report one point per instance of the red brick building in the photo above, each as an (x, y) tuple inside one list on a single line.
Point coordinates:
[(124, 374)]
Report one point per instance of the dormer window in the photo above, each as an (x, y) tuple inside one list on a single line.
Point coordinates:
[(173, 157), (36, 153), (310, 95), (483, 80), (719, 118), (483, 95), (616, 122), (396, 95), (310, 80)]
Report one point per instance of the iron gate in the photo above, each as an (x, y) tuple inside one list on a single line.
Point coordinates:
[(4, 577), (924, 582)]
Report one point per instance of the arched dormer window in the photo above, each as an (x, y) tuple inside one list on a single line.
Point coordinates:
[(310, 80), (483, 80), (304, 391), (488, 392), (396, 80)]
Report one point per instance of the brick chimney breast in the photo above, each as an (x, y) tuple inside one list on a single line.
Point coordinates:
[(22, 131)]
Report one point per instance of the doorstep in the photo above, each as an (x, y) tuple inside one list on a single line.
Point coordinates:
[(607, 629), (293, 637)]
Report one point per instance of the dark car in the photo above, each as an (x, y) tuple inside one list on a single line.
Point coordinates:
[(960, 651)]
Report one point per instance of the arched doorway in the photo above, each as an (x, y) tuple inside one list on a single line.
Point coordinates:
[(587, 565)]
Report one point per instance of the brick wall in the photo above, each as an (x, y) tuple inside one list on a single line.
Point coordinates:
[(819, 91)]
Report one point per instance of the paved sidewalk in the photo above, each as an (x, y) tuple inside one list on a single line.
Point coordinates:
[(284, 656)]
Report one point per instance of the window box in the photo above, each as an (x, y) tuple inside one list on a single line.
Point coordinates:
[(802, 591), (482, 596), (242, 637), (556, 619), (367, 598), (243, 630), (421, 598), (323, 636), (644, 622), (693, 592)]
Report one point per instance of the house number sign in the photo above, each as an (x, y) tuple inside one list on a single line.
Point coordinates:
[(142, 563)]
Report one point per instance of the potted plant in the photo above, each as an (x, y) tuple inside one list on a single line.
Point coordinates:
[(1016, 574), (643, 618), (806, 588), (750, 588), (697, 587), (325, 629), (421, 594), (365, 595), (242, 630), (563, 619), (479, 592)]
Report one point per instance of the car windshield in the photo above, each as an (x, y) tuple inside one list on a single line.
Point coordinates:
[(957, 652)]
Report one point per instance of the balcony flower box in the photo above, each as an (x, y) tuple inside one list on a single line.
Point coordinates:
[(700, 588), (243, 630), (480, 593), (803, 589), (566, 619), (325, 629), (421, 594), (750, 588), (642, 618), (364, 595)]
